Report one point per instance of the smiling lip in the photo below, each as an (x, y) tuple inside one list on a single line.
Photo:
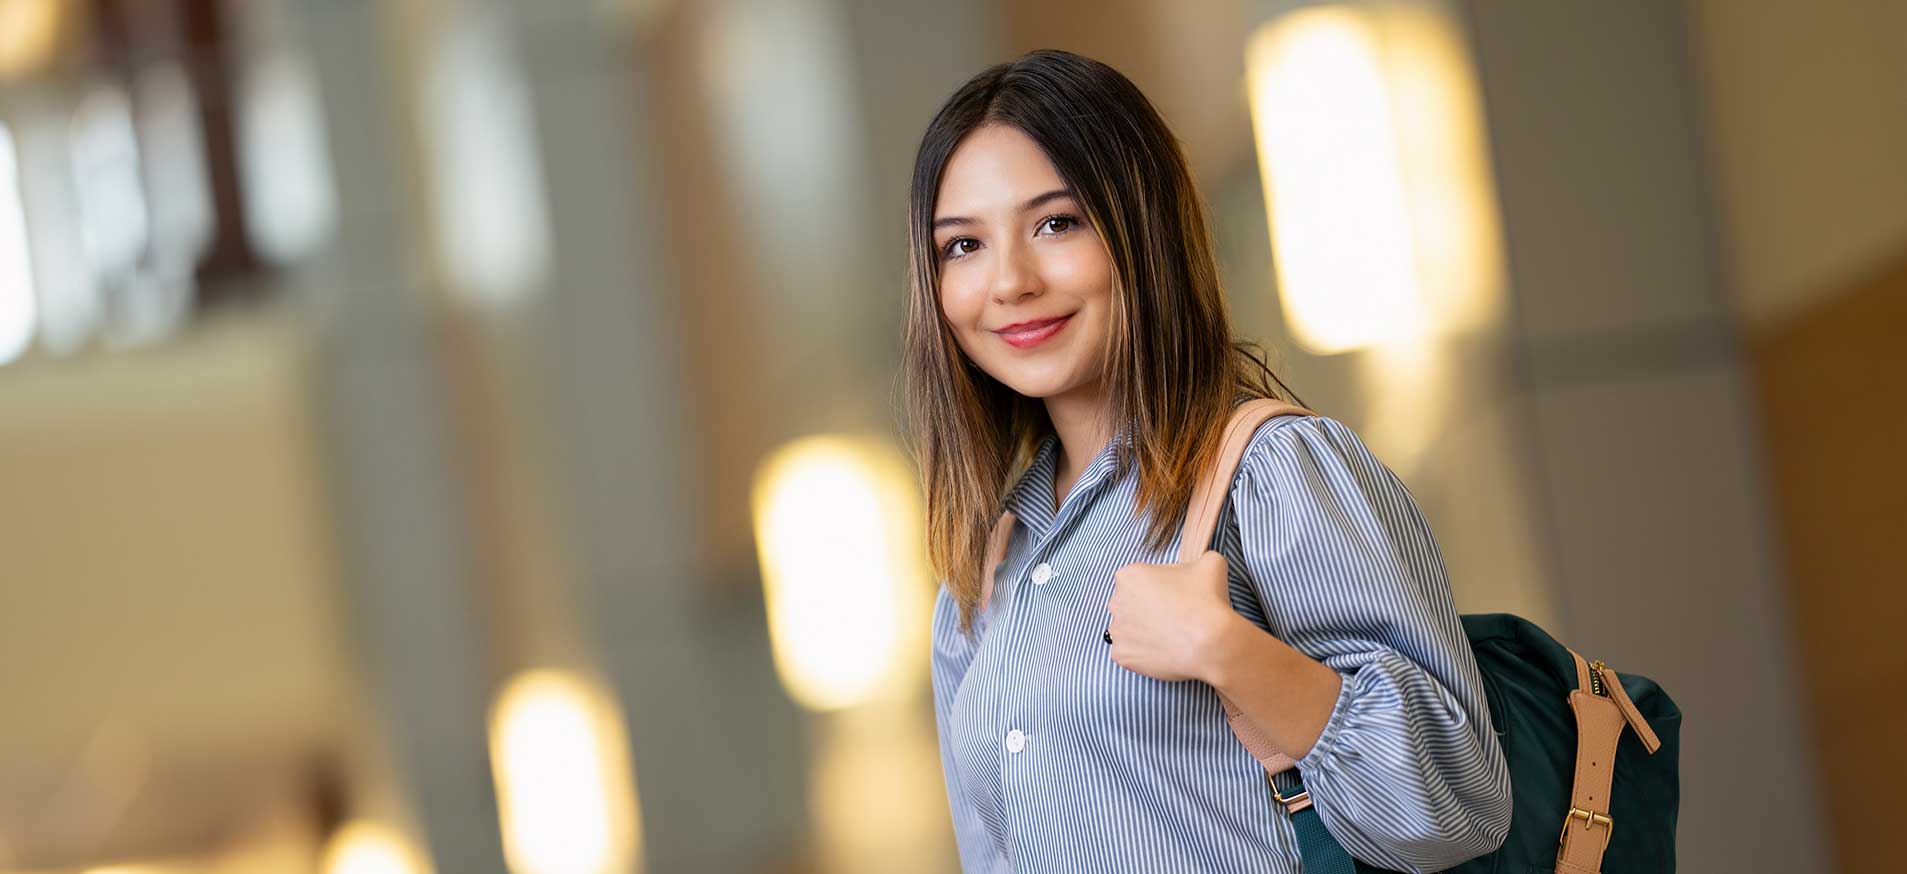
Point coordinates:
[(1028, 334)]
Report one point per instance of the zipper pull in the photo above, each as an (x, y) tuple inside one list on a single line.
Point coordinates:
[(1604, 681)]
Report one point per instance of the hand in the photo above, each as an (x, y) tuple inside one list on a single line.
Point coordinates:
[(1167, 618)]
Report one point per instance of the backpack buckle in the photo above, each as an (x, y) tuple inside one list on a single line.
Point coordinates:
[(1298, 801), (1590, 819)]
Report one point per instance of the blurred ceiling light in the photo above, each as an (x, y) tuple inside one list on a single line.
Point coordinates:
[(16, 267), (70, 305), (181, 190), (788, 129), (365, 847), (841, 567), (29, 33), (112, 197), (491, 224), (565, 795), (291, 206), (1371, 148)]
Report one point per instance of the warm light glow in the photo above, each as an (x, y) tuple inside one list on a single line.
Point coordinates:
[(1339, 226), (874, 789), (364, 847), (835, 527), (1444, 151), (17, 314), (29, 31), (564, 790), (1382, 214)]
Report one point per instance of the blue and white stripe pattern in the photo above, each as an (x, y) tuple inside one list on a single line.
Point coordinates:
[(1059, 760)]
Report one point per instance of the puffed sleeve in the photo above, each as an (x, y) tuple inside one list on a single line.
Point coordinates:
[(952, 652), (1408, 774)]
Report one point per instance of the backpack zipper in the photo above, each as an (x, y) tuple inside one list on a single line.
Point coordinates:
[(1595, 677)]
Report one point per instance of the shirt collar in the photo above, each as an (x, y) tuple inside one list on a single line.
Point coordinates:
[(1031, 498)]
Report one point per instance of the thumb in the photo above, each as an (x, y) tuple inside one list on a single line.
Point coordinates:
[(1213, 568)]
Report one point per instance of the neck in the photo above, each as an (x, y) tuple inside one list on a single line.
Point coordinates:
[(1080, 421)]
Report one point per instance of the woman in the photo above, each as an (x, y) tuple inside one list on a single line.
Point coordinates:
[(1069, 359)]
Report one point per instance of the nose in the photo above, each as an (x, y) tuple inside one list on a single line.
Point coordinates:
[(1015, 276)]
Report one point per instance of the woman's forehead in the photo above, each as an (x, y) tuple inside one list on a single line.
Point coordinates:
[(996, 168)]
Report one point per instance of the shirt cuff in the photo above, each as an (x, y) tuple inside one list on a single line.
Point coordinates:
[(1321, 752)]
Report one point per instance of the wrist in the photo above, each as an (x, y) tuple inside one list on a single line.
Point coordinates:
[(1290, 695), (1232, 648)]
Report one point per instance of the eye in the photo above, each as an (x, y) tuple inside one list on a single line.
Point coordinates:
[(959, 247), (1058, 224)]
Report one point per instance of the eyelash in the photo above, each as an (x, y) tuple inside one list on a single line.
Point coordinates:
[(947, 252)]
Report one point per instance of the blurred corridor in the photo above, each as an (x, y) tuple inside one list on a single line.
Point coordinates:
[(429, 429)]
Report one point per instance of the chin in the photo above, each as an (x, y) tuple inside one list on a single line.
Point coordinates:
[(1038, 388)]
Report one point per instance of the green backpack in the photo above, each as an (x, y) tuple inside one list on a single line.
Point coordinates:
[(1574, 771), (1586, 747), (1541, 695)]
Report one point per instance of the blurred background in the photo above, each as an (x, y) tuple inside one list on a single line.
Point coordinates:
[(431, 431)]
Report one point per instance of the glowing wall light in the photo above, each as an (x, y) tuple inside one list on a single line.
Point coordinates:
[(564, 790), (840, 565), (1371, 149), (16, 267), (835, 528), (365, 847)]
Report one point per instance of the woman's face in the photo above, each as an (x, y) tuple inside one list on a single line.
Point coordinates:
[(1025, 283)]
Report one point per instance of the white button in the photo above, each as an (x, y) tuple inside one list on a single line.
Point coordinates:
[(1042, 573), (1015, 741)]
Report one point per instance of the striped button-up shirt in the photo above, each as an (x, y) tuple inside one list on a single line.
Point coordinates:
[(1059, 760)]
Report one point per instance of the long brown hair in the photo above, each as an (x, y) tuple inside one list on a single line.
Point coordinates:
[(1172, 369)]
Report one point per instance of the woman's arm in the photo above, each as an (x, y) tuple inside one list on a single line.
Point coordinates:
[(1398, 754), (1287, 694)]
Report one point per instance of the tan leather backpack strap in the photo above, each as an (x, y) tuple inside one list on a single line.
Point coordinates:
[(1208, 498), (1587, 827), (1201, 522), (1260, 747), (1599, 722), (996, 552)]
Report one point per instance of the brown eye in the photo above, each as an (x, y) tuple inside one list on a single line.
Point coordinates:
[(960, 246), (1059, 224)]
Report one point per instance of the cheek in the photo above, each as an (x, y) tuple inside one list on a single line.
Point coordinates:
[(961, 301), (1083, 269)]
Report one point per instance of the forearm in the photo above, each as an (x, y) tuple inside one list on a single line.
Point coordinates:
[(1285, 693), (1404, 748)]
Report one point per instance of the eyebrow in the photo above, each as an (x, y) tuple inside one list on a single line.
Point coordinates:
[(1034, 203)]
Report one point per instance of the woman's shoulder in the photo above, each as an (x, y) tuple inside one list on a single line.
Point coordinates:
[(1282, 430), (1304, 441)]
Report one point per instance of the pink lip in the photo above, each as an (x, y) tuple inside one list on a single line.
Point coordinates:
[(1029, 334)]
